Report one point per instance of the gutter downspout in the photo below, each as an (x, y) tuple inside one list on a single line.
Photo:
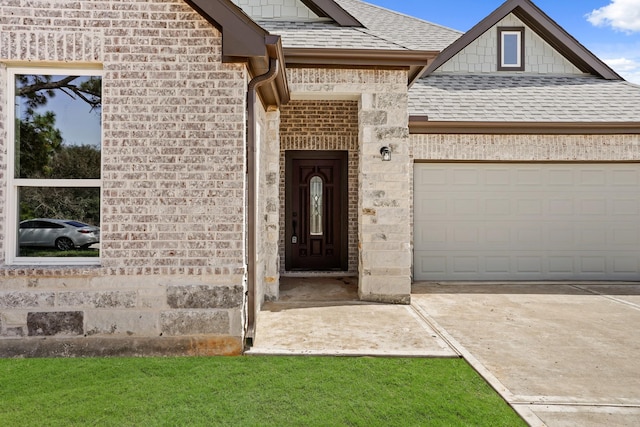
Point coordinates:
[(254, 84)]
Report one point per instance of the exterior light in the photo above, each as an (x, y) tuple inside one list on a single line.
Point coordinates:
[(385, 152)]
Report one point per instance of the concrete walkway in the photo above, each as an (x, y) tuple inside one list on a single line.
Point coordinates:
[(560, 354), (324, 317)]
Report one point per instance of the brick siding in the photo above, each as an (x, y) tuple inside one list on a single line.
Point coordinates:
[(173, 149)]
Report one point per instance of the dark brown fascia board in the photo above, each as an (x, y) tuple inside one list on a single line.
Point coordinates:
[(544, 26), (330, 9), (242, 38), (422, 125), (415, 60), (245, 41)]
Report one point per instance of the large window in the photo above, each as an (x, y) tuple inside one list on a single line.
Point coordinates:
[(54, 166), (510, 49)]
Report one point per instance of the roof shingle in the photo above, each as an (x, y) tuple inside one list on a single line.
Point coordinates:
[(524, 98), (384, 30)]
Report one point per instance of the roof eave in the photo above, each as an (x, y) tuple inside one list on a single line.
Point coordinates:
[(243, 40), (413, 60), (419, 124)]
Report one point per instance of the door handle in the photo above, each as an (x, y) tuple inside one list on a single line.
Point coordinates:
[(294, 237)]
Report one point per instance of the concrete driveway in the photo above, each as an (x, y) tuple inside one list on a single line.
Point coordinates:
[(561, 354)]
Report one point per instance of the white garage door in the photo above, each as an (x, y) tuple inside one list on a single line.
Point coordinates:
[(509, 221)]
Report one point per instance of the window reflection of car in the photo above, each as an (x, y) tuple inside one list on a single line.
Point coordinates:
[(63, 234)]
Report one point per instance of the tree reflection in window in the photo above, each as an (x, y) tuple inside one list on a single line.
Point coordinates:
[(315, 189), (56, 175)]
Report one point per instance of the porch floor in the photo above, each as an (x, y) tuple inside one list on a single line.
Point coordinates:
[(323, 316)]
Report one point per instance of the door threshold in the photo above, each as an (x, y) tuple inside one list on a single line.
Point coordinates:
[(318, 274)]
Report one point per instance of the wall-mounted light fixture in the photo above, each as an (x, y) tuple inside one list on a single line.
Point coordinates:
[(385, 152)]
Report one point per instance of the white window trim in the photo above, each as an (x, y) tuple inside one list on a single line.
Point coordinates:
[(13, 183)]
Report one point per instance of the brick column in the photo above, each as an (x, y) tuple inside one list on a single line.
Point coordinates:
[(384, 199)]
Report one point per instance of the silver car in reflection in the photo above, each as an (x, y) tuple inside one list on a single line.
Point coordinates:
[(63, 234)]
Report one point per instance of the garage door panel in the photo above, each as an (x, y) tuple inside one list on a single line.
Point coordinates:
[(594, 177), (527, 222), (525, 267), (626, 207), (529, 177), (627, 178), (626, 265), (561, 177), (562, 265)]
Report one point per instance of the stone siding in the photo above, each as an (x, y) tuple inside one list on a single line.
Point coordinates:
[(269, 201), (173, 167), (481, 56), (323, 126), (160, 307)]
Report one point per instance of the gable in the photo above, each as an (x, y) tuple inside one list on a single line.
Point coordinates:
[(298, 10), (276, 9), (481, 56), (542, 25)]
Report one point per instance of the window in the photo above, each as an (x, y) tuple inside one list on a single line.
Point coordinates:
[(510, 49), (54, 166), (315, 199)]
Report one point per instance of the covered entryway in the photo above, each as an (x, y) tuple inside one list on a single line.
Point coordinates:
[(526, 221), (316, 208)]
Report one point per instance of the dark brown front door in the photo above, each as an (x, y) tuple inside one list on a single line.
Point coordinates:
[(315, 235)]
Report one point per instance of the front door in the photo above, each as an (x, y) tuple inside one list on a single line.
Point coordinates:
[(315, 235)]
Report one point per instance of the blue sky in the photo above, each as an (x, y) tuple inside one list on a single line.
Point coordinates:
[(78, 124), (608, 28)]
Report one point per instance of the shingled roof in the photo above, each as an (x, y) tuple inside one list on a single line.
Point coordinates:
[(524, 98), (407, 31), (382, 29), (326, 35)]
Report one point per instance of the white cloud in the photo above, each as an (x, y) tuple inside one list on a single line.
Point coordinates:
[(627, 68), (622, 15)]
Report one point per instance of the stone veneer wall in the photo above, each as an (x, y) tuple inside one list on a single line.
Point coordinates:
[(267, 217), (384, 247), (318, 126), (172, 255)]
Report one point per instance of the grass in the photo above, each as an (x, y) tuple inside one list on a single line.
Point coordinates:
[(52, 252), (248, 391)]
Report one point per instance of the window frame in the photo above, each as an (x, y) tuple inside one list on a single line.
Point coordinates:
[(12, 214), (519, 32)]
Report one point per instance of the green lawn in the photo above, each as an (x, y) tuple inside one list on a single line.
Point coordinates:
[(52, 252), (248, 391)]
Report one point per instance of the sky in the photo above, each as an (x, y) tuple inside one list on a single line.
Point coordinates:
[(74, 118), (608, 28)]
